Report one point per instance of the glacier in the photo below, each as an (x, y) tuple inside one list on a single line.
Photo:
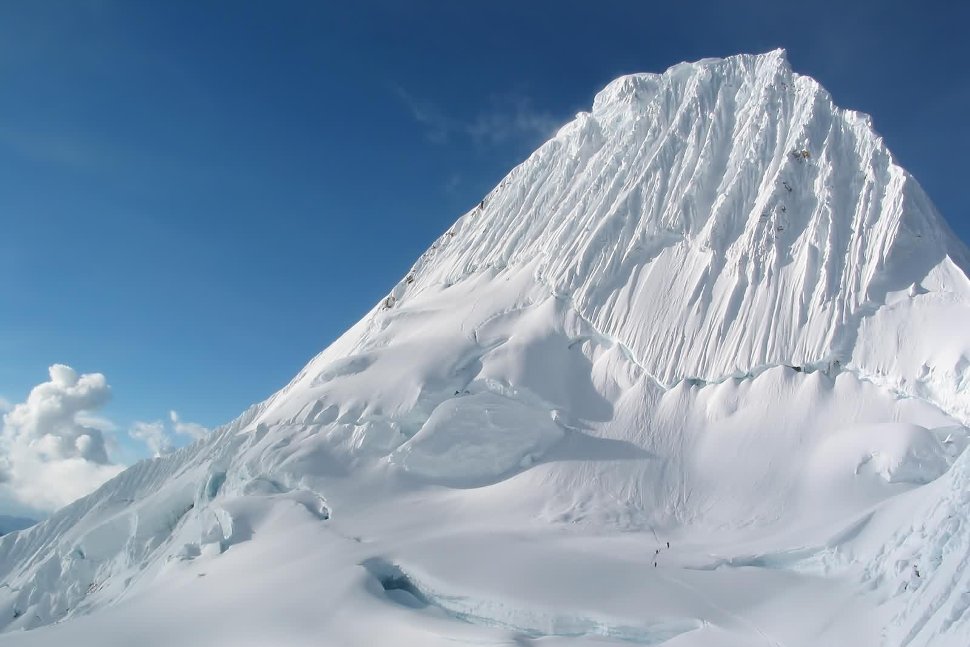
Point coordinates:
[(694, 373)]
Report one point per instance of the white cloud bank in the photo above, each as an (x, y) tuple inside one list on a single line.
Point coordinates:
[(54, 449)]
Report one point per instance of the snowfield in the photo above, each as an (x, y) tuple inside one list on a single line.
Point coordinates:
[(693, 374)]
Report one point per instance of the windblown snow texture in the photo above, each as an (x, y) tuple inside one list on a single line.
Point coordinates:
[(694, 373)]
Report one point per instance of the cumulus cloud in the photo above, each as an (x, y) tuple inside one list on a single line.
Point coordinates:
[(54, 451), (54, 446), (162, 438)]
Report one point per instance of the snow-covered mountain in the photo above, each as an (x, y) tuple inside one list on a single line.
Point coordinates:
[(692, 374)]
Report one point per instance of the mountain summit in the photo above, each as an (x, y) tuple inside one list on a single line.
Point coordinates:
[(693, 373)]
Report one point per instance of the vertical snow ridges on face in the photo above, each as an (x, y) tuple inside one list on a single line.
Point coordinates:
[(718, 217)]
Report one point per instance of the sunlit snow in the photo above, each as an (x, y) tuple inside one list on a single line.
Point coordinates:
[(693, 374)]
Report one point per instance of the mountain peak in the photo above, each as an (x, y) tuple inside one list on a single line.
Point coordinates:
[(636, 90), (705, 335), (731, 183)]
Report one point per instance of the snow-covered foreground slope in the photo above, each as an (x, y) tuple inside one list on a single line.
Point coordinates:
[(693, 374)]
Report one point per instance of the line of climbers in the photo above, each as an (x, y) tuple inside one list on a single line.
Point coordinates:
[(656, 555)]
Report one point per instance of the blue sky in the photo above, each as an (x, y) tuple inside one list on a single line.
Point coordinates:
[(197, 197)]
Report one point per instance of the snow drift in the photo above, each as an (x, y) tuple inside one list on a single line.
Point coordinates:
[(693, 374)]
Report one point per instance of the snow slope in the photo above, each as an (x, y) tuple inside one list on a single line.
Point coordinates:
[(712, 312)]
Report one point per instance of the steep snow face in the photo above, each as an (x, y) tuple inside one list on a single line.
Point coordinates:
[(717, 218), (694, 372)]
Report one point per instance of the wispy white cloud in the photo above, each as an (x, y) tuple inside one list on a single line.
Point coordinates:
[(507, 117), (438, 126), (452, 183), (155, 436), (512, 116), (161, 437), (191, 429)]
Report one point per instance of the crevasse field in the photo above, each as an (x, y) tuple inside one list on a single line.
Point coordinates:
[(693, 374)]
